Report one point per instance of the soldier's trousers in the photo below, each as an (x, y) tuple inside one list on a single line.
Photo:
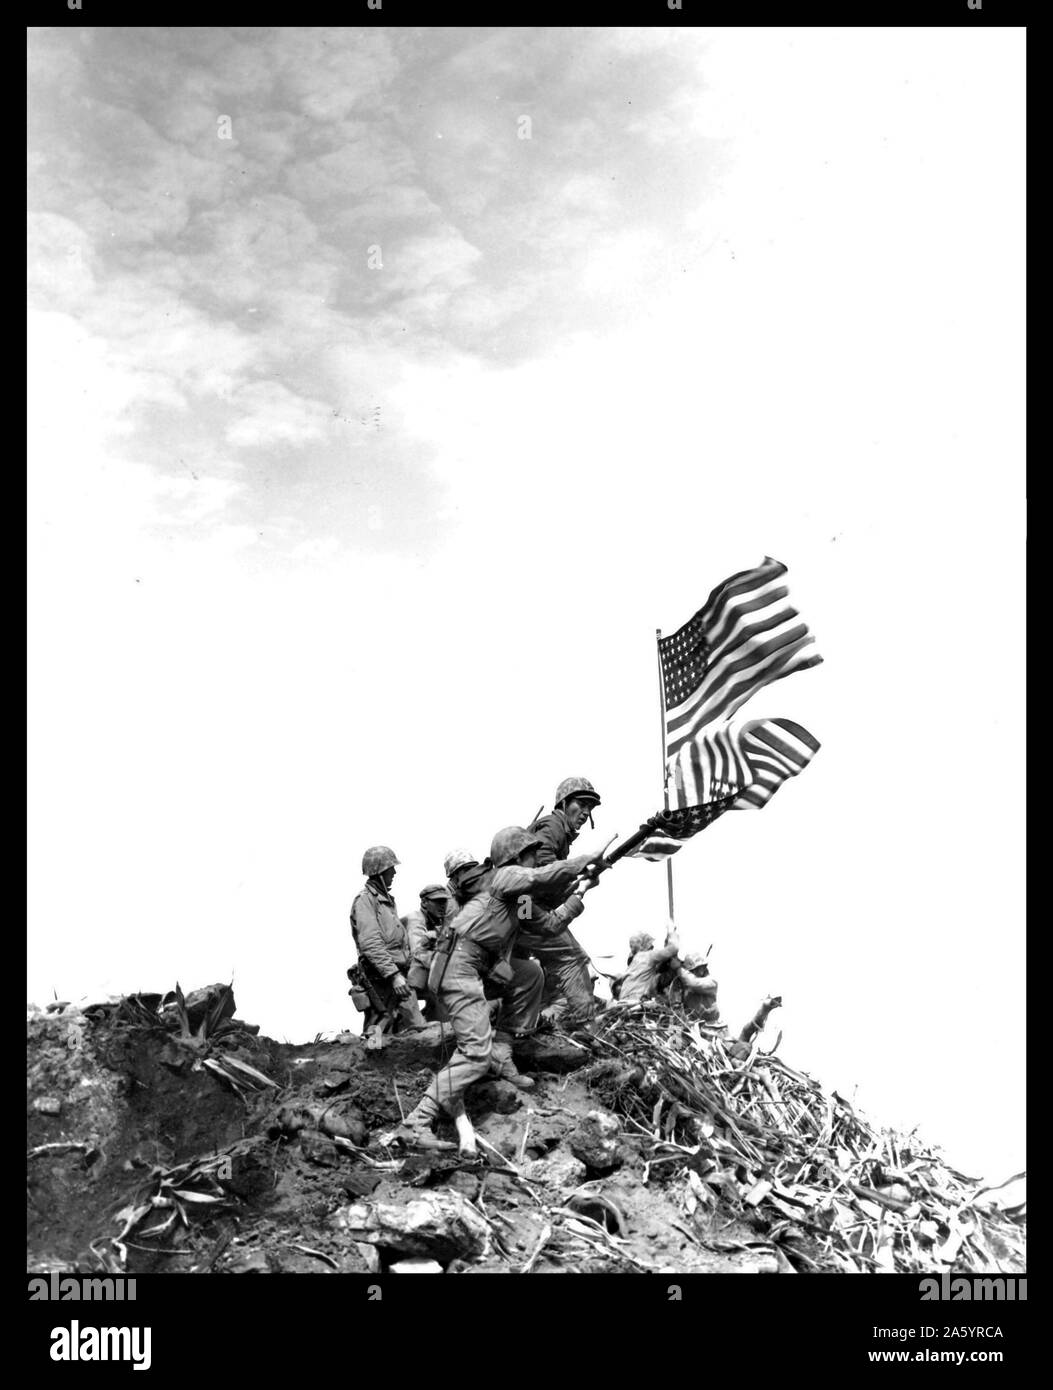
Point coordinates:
[(384, 1003), (466, 1008), (566, 969)]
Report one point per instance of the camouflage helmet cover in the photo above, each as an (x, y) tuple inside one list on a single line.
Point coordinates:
[(578, 787), (694, 961), (642, 941), (458, 859), (509, 844), (378, 858)]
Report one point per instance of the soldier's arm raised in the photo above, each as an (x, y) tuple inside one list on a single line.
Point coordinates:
[(552, 923), (517, 885), (515, 878)]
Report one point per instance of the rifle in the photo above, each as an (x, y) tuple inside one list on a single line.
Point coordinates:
[(603, 861)]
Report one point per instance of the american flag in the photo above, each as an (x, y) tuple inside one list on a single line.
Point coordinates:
[(738, 767), (744, 636)]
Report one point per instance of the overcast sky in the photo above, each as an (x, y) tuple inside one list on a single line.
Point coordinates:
[(370, 446)]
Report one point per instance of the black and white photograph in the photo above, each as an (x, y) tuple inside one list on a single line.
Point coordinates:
[(525, 657)]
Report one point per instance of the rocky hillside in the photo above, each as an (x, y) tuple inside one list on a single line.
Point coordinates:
[(165, 1134)]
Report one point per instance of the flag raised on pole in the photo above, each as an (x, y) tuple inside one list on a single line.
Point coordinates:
[(737, 767), (746, 635)]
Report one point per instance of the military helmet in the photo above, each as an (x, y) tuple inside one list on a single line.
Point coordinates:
[(458, 859), (509, 844), (434, 890), (578, 787), (378, 858), (642, 941), (694, 961)]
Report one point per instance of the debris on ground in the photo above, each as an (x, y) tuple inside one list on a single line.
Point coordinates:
[(595, 1142), (166, 1134), (749, 1133), (441, 1225)]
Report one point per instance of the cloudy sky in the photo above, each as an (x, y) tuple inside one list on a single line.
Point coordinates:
[(370, 445)]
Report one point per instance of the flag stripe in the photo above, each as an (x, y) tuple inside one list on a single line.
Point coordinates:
[(755, 758), (745, 636), (657, 848), (775, 664), (722, 668), (742, 583), (724, 637), (769, 601)]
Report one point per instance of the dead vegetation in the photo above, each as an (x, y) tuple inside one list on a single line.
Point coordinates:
[(743, 1130), (166, 1134)]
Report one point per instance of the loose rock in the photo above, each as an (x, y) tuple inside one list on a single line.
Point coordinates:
[(596, 1142), (317, 1149), (439, 1225), (493, 1097), (559, 1170), (550, 1052)]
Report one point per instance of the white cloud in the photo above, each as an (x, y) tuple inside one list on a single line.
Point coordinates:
[(267, 413)]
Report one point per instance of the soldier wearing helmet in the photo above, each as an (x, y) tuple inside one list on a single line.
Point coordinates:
[(383, 949), (468, 878), (695, 989), (649, 969), (464, 873), (568, 993), (481, 962), (575, 800)]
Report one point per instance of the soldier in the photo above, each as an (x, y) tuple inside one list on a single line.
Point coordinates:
[(467, 878), (383, 950), (463, 871), (647, 966), (568, 985), (696, 989), (422, 926), (484, 934)]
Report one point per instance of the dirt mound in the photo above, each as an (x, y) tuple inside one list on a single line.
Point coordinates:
[(177, 1139)]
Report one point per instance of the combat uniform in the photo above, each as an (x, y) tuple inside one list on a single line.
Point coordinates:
[(645, 972), (696, 992), (484, 932), (383, 953), (420, 938), (568, 985)]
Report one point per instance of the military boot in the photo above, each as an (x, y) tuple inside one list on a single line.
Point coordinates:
[(415, 1131), (508, 1072), (503, 1065)]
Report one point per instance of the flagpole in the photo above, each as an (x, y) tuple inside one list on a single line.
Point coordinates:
[(665, 770)]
